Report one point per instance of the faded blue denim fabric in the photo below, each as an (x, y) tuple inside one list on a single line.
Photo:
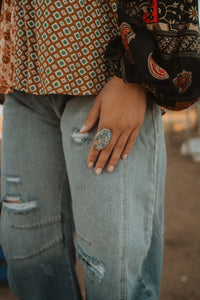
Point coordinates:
[(118, 217)]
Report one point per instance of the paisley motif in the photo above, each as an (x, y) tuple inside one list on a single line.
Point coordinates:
[(183, 80), (180, 105), (127, 35), (155, 70)]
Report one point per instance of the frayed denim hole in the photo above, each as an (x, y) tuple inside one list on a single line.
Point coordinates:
[(13, 201), (93, 267), (19, 207), (148, 289), (13, 184), (78, 137), (13, 179)]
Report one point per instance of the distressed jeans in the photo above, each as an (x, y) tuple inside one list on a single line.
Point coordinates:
[(49, 193)]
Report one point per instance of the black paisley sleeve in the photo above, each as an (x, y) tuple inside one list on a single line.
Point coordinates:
[(159, 46)]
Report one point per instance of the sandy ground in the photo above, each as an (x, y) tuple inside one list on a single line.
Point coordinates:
[(181, 270)]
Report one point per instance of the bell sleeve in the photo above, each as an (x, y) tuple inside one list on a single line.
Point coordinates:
[(158, 45)]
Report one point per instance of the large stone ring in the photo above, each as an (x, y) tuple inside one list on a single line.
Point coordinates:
[(102, 139)]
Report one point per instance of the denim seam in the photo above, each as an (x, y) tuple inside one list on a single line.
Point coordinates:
[(150, 218), (54, 220), (74, 290), (148, 288), (125, 233), (155, 179), (83, 239), (62, 219), (41, 250), (158, 231), (158, 227)]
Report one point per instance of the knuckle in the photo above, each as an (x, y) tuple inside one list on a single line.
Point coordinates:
[(90, 117), (137, 124), (127, 150), (129, 147), (92, 157), (107, 150), (119, 127), (133, 126), (132, 140), (100, 163), (114, 161), (129, 126), (119, 146)]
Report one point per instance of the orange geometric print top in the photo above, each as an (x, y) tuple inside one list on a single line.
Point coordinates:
[(55, 46)]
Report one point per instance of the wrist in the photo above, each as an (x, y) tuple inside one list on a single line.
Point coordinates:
[(138, 85)]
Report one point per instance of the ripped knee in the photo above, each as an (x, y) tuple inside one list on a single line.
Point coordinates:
[(93, 267), (15, 205), (79, 138), (13, 201)]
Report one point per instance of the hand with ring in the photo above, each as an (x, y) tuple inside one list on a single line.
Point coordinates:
[(120, 108)]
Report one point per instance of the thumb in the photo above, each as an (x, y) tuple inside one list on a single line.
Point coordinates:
[(91, 118)]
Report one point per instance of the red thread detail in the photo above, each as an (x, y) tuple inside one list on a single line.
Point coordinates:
[(180, 105), (127, 35), (152, 15)]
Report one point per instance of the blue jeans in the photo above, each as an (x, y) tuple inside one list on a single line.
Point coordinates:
[(48, 193)]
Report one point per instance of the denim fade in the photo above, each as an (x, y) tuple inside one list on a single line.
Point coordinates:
[(117, 217)]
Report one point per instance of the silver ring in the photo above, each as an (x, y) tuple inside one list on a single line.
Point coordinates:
[(102, 138)]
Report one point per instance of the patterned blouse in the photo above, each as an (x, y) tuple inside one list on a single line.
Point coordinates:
[(159, 46), (152, 42), (56, 46)]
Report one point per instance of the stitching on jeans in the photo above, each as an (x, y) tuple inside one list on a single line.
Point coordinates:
[(158, 231), (125, 232), (41, 250), (148, 288), (150, 215), (56, 219), (82, 238), (156, 128)]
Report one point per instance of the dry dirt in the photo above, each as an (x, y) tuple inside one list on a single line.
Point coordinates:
[(181, 271)]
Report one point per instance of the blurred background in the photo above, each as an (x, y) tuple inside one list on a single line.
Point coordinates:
[(181, 275), (181, 265)]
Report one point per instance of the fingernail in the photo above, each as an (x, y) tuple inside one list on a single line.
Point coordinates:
[(110, 168), (98, 171), (124, 156), (90, 164), (83, 128)]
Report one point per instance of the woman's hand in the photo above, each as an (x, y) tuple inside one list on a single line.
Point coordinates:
[(119, 107)]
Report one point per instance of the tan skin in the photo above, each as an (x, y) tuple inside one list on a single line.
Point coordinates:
[(120, 107)]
